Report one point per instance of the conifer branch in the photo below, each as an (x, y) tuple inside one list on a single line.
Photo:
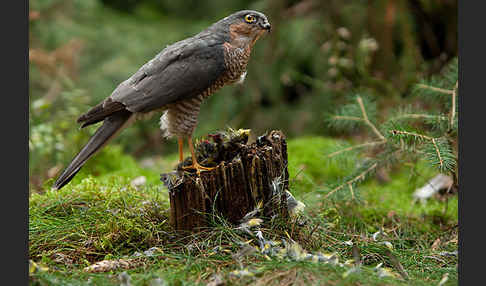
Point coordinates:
[(401, 132), (356, 147), (363, 110), (418, 116), (438, 89), (436, 147), (367, 121), (351, 190), (342, 117), (424, 137), (438, 152), (360, 176)]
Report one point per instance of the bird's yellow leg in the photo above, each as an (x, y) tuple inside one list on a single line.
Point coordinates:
[(180, 142), (195, 164)]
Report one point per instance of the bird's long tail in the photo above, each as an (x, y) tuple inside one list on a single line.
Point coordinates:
[(111, 126)]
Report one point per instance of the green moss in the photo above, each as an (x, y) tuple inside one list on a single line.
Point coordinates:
[(95, 219), (111, 165), (309, 154), (309, 166), (397, 194)]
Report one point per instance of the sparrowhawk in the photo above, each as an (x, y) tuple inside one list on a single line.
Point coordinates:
[(175, 81)]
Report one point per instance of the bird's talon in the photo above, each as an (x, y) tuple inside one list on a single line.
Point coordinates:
[(198, 168)]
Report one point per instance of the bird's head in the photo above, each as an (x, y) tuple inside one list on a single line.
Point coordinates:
[(246, 27)]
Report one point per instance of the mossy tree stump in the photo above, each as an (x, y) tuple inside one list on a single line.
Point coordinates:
[(250, 173)]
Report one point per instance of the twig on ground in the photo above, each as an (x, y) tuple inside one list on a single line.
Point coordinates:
[(396, 263), (438, 89)]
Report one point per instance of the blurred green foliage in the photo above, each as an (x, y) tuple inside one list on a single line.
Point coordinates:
[(308, 166), (318, 51)]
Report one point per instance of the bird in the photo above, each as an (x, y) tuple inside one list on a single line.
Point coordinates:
[(175, 83)]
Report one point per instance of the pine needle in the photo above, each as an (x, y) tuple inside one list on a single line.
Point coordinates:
[(353, 180)]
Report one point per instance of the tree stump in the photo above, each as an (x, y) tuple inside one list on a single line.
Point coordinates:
[(245, 175)]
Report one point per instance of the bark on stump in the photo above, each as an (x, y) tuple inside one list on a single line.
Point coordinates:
[(256, 173)]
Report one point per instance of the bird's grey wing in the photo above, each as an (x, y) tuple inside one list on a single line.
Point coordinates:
[(180, 71)]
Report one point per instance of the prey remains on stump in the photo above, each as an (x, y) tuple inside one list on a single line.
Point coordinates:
[(245, 175)]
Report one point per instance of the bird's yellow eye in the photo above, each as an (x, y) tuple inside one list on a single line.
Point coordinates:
[(249, 18)]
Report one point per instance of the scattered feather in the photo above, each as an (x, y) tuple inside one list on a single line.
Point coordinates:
[(266, 246), (295, 251), (388, 244), (294, 206), (375, 235), (254, 222), (36, 267), (149, 252), (158, 282), (109, 265), (436, 244), (444, 279), (349, 262), (330, 258), (246, 250), (124, 279), (241, 273), (138, 182), (62, 258), (448, 253), (217, 249), (292, 250), (152, 251), (385, 271), (435, 184), (350, 271), (215, 280), (254, 212)]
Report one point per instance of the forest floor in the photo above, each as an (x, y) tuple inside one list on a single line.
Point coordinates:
[(105, 217)]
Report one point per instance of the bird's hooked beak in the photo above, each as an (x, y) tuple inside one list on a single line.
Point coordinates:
[(265, 25)]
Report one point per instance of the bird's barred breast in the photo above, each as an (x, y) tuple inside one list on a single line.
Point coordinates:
[(180, 118)]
